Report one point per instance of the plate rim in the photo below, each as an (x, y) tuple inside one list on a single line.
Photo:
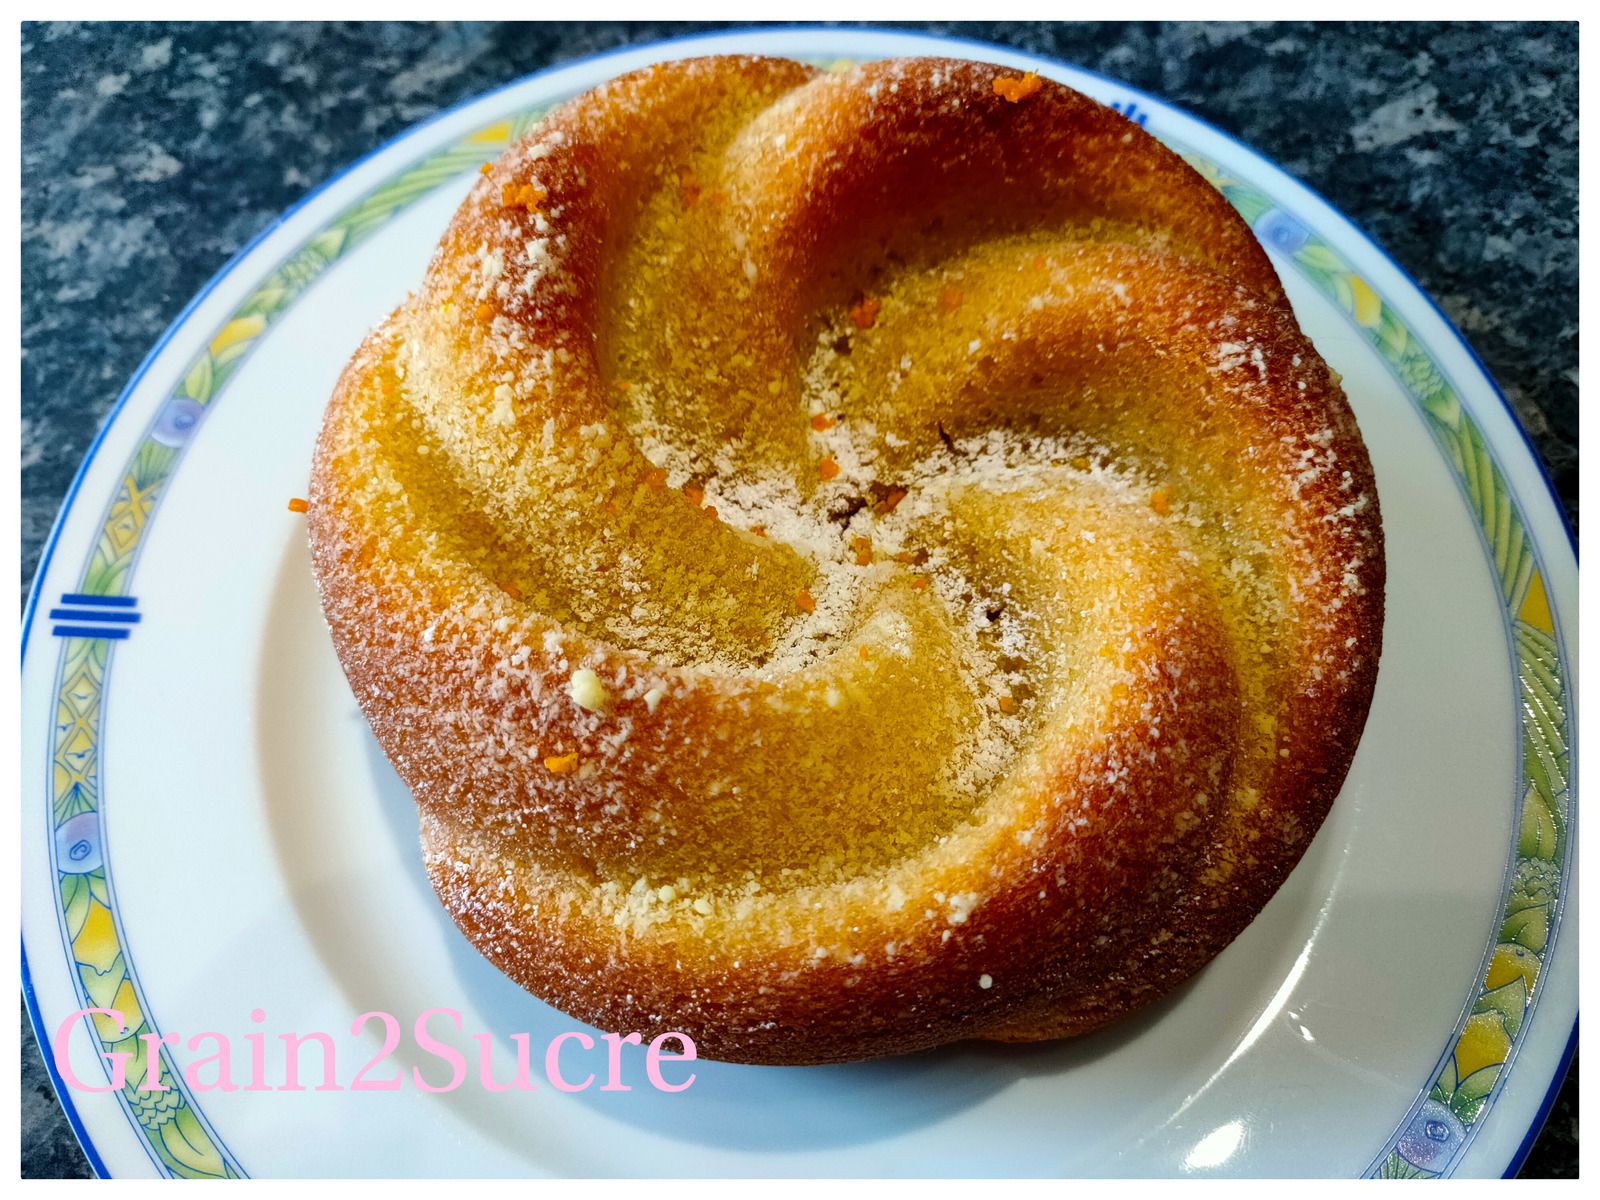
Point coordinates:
[(1531, 452)]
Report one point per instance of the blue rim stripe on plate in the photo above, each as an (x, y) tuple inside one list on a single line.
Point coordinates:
[(52, 542)]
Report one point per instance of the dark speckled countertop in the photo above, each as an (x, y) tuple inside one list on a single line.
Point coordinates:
[(150, 153)]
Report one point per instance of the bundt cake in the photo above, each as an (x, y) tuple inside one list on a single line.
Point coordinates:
[(848, 562)]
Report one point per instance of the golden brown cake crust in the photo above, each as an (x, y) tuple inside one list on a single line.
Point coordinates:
[(850, 562)]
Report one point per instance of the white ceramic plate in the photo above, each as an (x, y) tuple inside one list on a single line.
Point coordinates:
[(209, 828)]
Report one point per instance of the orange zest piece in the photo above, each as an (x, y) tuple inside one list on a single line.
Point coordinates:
[(1158, 501), (890, 502), (298, 505), (910, 557), (950, 298), (863, 548), (510, 589), (522, 195), (561, 764), (759, 530), (483, 170), (656, 478), (822, 422), (827, 468), (710, 512), (1007, 704), (696, 495), (919, 582), (1017, 87), (805, 601), (1038, 262), (865, 312), (485, 314), (864, 653)]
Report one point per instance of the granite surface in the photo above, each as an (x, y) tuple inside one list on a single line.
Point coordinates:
[(151, 153)]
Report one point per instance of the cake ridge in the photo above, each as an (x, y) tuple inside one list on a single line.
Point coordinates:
[(806, 514)]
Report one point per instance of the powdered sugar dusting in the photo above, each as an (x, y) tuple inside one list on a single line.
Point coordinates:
[(773, 592)]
